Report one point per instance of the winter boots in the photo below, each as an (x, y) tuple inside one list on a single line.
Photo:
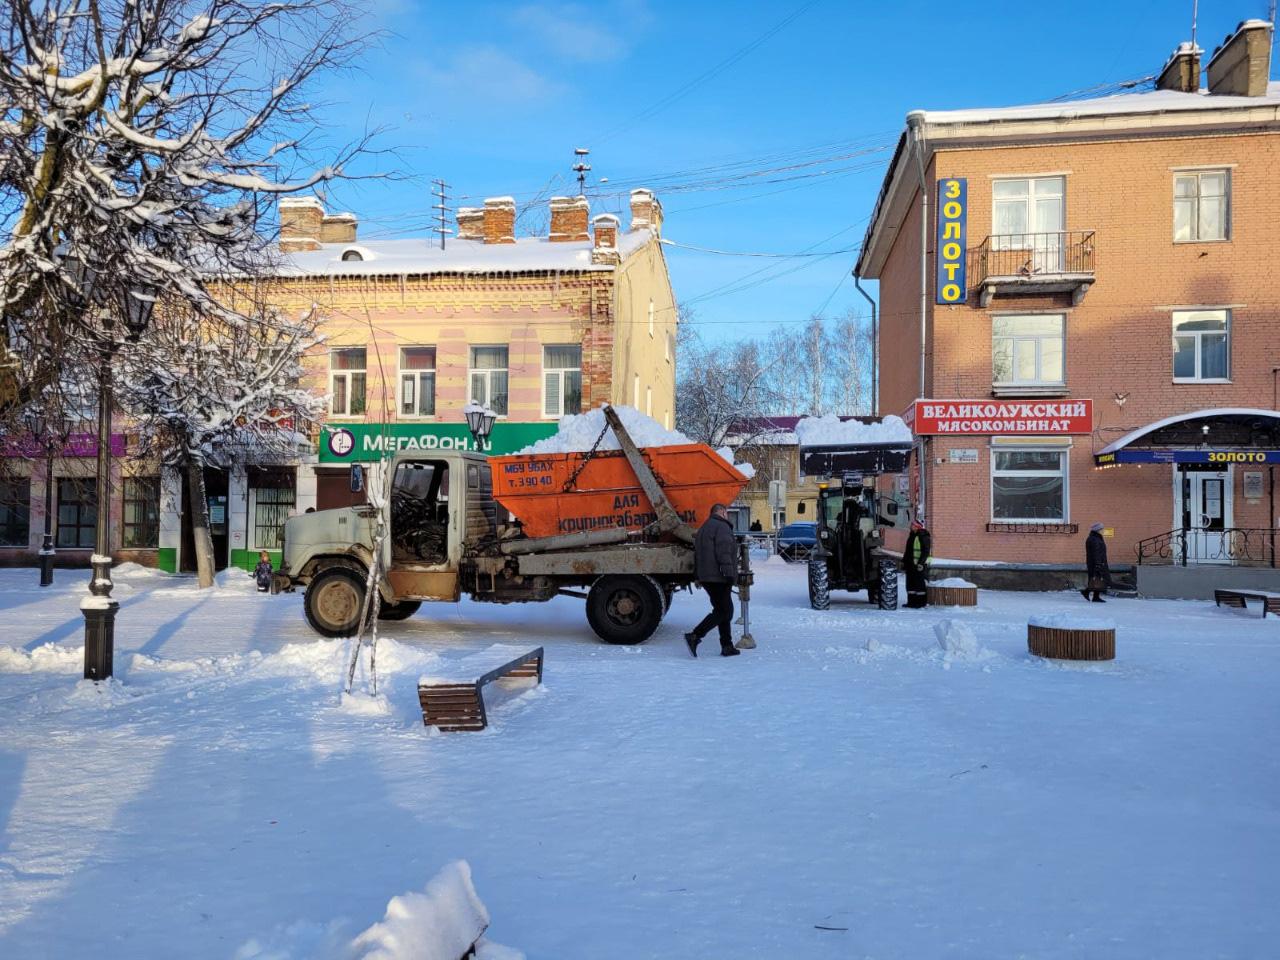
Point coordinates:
[(726, 650)]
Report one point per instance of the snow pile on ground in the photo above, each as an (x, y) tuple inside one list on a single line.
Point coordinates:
[(46, 658), (958, 641), (578, 434), (440, 923), (1071, 621), (953, 583), (832, 431), (134, 571)]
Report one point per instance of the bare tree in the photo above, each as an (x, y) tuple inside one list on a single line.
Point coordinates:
[(201, 392), (719, 388), (145, 140), (851, 354)]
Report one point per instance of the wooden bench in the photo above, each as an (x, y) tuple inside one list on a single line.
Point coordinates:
[(455, 702), (1237, 598)]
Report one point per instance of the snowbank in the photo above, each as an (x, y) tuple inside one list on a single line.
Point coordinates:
[(1070, 621), (832, 431), (441, 923), (578, 434), (958, 641), (134, 571), (955, 583), (46, 658)]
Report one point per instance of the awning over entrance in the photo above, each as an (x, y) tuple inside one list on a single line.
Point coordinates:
[(1224, 435)]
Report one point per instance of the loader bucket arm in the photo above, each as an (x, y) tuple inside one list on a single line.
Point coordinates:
[(668, 520)]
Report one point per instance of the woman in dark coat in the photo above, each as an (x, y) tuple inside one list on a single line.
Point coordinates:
[(1095, 561), (915, 561)]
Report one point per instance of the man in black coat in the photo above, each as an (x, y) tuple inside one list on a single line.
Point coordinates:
[(915, 562), (1095, 561), (715, 567)]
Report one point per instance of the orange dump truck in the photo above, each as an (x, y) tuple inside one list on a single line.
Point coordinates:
[(614, 527)]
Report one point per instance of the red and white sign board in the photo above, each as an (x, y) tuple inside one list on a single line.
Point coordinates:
[(1002, 417)]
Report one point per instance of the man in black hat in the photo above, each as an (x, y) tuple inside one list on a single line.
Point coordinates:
[(1095, 561)]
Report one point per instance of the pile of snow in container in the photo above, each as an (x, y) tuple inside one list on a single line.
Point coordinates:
[(578, 434), (954, 583), (1071, 621), (831, 431)]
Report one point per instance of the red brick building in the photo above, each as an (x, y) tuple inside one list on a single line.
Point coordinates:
[(1090, 318)]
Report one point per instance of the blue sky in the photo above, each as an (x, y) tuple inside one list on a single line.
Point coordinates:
[(494, 97)]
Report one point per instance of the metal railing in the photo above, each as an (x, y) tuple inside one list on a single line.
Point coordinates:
[(1030, 255), (1240, 546)]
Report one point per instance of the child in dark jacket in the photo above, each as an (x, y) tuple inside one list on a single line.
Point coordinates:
[(262, 572)]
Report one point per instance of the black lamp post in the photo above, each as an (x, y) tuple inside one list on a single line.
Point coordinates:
[(51, 434), (98, 608), (479, 422)]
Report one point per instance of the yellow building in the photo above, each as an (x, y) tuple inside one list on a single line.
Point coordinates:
[(769, 444), (534, 327)]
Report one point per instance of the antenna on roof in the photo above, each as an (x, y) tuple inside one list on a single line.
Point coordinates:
[(1195, 10), (581, 168), (442, 211)]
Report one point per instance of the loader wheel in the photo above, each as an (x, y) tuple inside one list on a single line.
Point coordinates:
[(398, 611), (888, 593), (624, 609), (333, 600), (819, 584)]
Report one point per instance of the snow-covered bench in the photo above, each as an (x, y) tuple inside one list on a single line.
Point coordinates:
[(453, 700), (1236, 598)]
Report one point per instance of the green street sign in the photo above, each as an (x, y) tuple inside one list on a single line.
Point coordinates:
[(368, 442)]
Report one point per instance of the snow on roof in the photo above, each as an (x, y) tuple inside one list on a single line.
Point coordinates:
[(422, 255), (1146, 101), (1208, 414)]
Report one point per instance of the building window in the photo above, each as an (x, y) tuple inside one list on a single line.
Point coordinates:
[(77, 512), (1201, 206), (417, 381), (141, 512), (1029, 486), (15, 512), (1030, 206), (347, 381), (648, 401), (635, 391), (651, 318), (488, 377), (1201, 345), (1028, 350), (272, 506), (561, 381), (669, 341)]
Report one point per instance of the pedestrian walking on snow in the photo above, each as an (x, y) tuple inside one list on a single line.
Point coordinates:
[(715, 567), (915, 561), (1095, 561)]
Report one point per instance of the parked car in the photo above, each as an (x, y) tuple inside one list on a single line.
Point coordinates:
[(796, 541)]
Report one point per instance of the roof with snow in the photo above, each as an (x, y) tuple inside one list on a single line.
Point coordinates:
[(422, 255)]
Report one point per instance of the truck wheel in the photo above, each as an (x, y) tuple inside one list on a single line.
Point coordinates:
[(333, 601), (624, 609), (819, 584), (888, 592), (398, 611)]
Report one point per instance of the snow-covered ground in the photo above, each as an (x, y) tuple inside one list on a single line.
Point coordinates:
[(848, 789)]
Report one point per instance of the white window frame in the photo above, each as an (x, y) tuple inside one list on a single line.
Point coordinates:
[(651, 316), (1199, 335), (559, 372), (1063, 471), (345, 376), (1198, 175), (489, 371), (635, 391), (1039, 381), (1009, 241), (415, 378)]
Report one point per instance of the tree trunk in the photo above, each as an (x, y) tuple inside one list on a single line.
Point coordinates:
[(199, 507)]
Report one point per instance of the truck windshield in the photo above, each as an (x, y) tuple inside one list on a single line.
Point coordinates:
[(832, 504)]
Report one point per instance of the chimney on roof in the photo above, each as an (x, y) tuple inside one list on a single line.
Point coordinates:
[(499, 220), (470, 223), (301, 221), (1241, 67), (646, 211), (338, 228), (1182, 70), (605, 248), (569, 219)]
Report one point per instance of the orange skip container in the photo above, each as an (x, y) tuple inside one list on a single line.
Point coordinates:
[(605, 494)]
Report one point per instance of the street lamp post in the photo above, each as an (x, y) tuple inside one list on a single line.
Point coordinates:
[(99, 608), (42, 428), (480, 421)]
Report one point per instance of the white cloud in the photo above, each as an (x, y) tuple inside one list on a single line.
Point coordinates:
[(487, 73), (572, 31)]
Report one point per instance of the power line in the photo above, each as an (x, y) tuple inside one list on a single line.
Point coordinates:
[(739, 253)]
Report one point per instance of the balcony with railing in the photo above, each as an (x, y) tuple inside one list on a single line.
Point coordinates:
[(1028, 264)]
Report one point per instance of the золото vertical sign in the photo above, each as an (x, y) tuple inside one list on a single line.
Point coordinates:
[(953, 208)]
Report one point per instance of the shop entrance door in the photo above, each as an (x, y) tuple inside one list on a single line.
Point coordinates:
[(1204, 512)]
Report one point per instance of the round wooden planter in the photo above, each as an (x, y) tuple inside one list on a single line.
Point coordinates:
[(1062, 643), (953, 596)]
